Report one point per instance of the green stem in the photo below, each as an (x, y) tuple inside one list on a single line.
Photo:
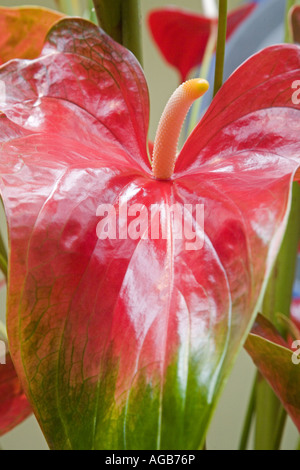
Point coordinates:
[(90, 12), (249, 417), (288, 34), (3, 257), (120, 19), (109, 17), (2, 247), (280, 428), (3, 332), (131, 23), (210, 47), (278, 295), (268, 410), (3, 265), (221, 41)]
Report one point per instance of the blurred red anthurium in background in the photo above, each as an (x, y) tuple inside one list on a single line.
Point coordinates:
[(125, 342), (182, 36)]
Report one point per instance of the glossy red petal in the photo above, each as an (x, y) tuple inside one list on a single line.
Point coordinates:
[(14, 407), (84, 115), (23, 31), (96, 89), (277, 363), (246, 150), (260, 93), (182, 36)]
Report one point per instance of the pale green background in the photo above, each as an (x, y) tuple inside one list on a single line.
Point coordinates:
[(226, 425)]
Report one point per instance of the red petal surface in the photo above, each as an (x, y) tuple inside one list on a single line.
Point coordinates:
[(182, 35), (14, 407), (244, 147), (125, 343), (23, 31), (273, 358)]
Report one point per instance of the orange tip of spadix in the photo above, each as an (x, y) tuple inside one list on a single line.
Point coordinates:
[(195, 87)]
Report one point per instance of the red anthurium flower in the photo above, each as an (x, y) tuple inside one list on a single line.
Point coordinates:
[(278, 362), (14, 406), (122, 330), (182, 36), (23, 31)]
